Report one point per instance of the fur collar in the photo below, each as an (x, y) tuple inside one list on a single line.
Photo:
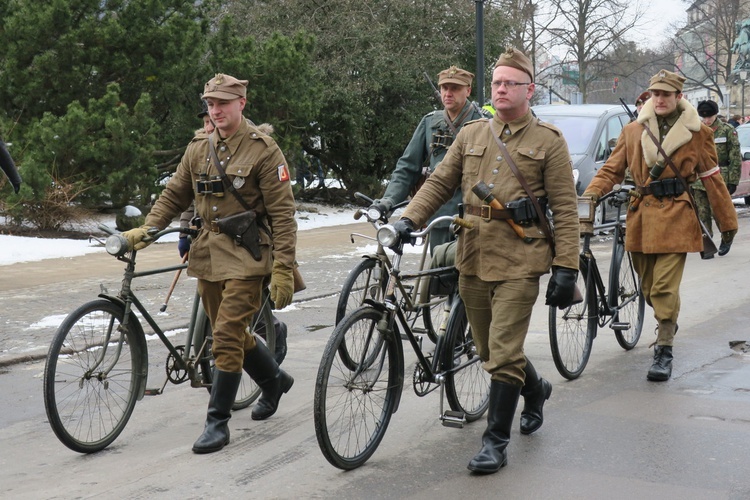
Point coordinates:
[(681, 133)]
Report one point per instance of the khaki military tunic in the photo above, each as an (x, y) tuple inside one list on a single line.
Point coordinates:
[(257, 168), (492, 250)]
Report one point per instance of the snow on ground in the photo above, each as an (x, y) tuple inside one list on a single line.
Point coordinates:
[(14, 249)]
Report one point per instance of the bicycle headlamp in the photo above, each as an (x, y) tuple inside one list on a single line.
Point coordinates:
[(373, 213), (116, 245), (387, 236)]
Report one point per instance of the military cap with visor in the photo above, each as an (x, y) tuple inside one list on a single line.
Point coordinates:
[(707, 109), (456, 75), (645, 96), (666, 81), (226, 87), (516, 59)]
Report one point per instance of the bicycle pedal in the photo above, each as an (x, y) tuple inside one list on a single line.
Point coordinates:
[(152, 392), (620, 326), (455, 419)]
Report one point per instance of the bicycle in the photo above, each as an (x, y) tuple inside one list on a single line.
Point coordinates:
[(365, 280), (97, 364), (361, 374), (620, 305)]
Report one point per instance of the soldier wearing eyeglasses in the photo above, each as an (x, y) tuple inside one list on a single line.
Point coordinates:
[(500, 272)]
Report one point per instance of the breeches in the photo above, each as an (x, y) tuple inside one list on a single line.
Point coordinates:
[(661, 275), (230, 305), (499, 313)]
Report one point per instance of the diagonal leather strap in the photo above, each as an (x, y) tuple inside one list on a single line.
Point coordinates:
[(224, 179), (521, 179)]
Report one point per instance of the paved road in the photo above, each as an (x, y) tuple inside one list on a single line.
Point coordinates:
[(609, 434)]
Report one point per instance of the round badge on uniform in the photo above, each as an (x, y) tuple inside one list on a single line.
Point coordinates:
[(238, 182)]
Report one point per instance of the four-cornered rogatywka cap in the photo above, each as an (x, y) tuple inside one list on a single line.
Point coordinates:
[(667, 81), (224, 86), (456, 75)]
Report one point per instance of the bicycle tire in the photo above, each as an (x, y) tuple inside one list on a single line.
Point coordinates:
[(467, 390), (248, 391), (572, 330), (627, 290), (365, 280), (432, 315), (88, 403), (352, 407)]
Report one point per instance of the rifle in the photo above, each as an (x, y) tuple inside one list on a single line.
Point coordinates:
[(435, 91), (628, 110)]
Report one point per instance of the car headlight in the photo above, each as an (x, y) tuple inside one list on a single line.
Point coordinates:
[(116, 245), (387, 236)]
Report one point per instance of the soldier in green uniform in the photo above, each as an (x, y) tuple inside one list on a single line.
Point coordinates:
[(499, 272), (432, 138), (663, 227), (230, 279), (730, 162)]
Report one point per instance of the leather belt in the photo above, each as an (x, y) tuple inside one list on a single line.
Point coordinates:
[(486, 212), (643, 190)]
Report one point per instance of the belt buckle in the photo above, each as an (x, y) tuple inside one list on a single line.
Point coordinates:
[(215, 227), (485, 212)]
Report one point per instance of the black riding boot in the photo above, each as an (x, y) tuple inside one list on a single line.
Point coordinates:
[(535, 392), (216, 432), (661, 369), (493, 455), (264, 370), (279, 352)]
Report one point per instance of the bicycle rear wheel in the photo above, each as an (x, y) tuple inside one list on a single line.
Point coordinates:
[(91, 377), (248, 390), (432, 314), (467, 389), (353, 404), (628, 296), (572, 330)]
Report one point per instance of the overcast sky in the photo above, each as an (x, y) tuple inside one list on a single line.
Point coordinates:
[(659, 16)]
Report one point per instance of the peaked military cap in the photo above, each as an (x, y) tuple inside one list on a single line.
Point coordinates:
[(667, 81), (645, 96), (516, 59), (707, 109), (456, 75), (224, 86)]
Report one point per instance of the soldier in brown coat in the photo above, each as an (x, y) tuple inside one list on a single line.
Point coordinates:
[(662, 230), (230, 279), (499, 272)]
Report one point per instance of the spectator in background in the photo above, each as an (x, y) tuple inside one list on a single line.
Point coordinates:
[(645, 96)]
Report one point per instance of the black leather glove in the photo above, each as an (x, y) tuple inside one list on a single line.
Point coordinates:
[(183, 245), (561, 286), (404, 227), (383, 206), (732, 188)]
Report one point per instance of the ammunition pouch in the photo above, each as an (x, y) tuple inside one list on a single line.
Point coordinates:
[(243, 229), (663, 188), (441, 139), (522, 211)]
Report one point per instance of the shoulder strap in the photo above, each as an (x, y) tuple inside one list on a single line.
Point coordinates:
[(542, 216), (223, 174)]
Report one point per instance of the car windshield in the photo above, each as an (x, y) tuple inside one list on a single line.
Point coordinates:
[(577, 130), (744, 135)]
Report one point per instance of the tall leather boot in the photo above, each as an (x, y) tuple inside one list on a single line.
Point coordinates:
[(661, 369), (216, 432), (493, 455), (535, 392), (260, 364)]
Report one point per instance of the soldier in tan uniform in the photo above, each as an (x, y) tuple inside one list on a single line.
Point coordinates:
[(662, 230), (230, 280), (499, 272)]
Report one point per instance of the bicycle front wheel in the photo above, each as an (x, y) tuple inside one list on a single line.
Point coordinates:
[(365, 281), (572, 330), (629, 300), (353, 404), (91, 377), (467, 389)]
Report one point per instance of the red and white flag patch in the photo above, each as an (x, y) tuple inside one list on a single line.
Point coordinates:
[(283, 173)]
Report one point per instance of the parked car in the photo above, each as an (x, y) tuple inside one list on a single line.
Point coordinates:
[(591, 131), (743, 188)]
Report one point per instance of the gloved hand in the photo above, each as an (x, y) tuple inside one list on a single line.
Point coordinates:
[(404, 227), (727, 237), (384, 206), (183, 245), (732, 188), (561, 286), (16, 187), (139, 238), (282, 285)]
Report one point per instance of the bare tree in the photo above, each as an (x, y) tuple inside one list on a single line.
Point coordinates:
[(585, 32), (704, 45)]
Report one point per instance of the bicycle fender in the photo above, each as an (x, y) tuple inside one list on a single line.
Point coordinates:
[(379, 306), (140, 339), (400, 370)]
